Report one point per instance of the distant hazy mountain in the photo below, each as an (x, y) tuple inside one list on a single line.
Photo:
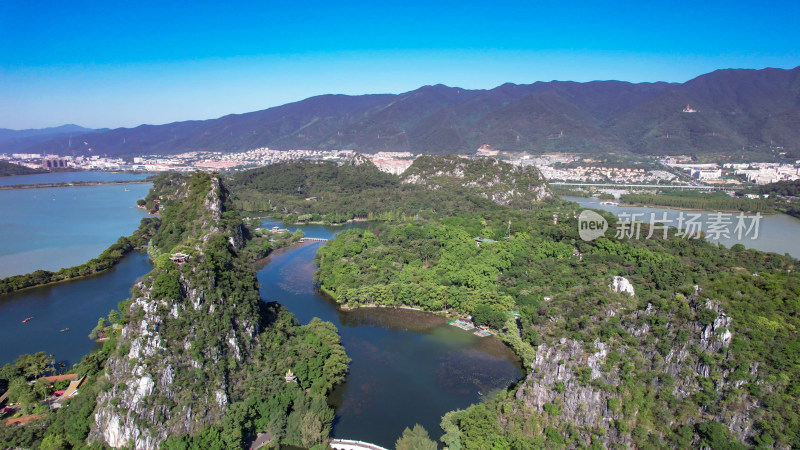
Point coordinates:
[(732, 108), (12, 141)]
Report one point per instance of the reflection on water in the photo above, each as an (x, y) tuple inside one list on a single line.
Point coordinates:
[(408, 366)]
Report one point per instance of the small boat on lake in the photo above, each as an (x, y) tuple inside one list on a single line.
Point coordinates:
[(610, 203), (27, 320), (65, 330)]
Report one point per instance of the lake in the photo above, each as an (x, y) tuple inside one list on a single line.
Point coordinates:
[(408, 366), (71, 177), (53, 228), (776, 232), (73, 304)]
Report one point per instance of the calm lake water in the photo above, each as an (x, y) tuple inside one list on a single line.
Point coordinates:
[(408, 367), (74, 304), (777, 233), (69, 177), (61, 227)]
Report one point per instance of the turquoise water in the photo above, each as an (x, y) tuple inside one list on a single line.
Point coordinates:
[(777, 233), (61, 227), (408, 367), (69, 177)]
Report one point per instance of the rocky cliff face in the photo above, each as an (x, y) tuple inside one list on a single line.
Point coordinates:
[(590, 386), (498, 181), (621, 284), (188, 338)]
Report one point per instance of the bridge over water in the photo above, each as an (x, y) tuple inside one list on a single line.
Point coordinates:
[(306, 239), (344, 444)]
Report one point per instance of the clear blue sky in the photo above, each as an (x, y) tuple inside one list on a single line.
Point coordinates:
[(111, 64)]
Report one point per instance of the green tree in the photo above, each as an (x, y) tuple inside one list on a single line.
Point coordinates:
[(10, 371), (34, 365), (101, 324), (53, 442), (42, 388), (312, 430), (415, 439), (19, 391)]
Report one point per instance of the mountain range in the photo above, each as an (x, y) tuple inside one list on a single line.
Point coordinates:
[(12, 141), (721, 111)]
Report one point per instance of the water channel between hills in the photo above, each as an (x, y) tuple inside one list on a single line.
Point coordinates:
[(408, 366)]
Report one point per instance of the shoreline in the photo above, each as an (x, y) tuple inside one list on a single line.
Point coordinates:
[(14, 187), (679, 208), (65, 280)]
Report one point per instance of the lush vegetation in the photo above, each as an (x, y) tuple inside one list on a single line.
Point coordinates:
[(66, 427), (244, 346), (293, 413), (716, 201), (560, 286), (789, 191), (705, 354), (415, 439), (108, 259), (325, 192), (261, 243), (783, 188), (216, 340)]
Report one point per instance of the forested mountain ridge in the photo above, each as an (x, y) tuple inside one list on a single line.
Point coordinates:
[(498, 181), (433, 185), (728, 110), (200, 359)]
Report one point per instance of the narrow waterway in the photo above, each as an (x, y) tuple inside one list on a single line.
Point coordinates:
[(408, 366)]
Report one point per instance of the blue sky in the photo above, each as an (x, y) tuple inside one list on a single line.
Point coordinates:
[(111, 64)]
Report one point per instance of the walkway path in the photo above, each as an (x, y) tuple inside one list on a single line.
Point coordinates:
[(344, 444)]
